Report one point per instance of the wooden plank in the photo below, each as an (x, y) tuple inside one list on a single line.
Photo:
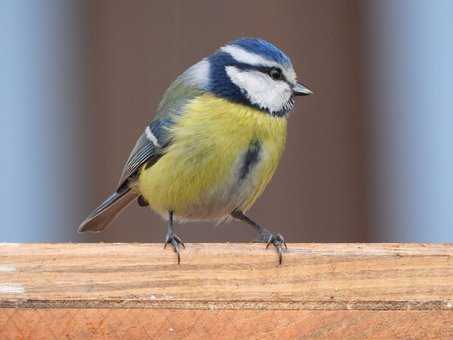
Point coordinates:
[(222, 324), (228, 276)]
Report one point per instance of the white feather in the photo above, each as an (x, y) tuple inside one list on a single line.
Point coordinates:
[(246, 57), (151, 137), (261, 89), (243, 56)]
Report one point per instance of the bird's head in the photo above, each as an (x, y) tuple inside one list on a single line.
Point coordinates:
[(253, 72)]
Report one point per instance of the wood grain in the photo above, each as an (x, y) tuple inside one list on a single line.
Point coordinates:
[(228, 276), (222, 324)]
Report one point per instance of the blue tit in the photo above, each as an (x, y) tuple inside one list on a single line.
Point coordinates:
[(214, 143)]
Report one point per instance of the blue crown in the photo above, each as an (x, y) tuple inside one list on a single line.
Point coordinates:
[(263, 48)]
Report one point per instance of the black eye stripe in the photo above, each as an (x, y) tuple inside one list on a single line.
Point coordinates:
[(276, 73), (267, 69)]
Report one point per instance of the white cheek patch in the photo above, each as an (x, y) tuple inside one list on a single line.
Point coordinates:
[(260, 89)]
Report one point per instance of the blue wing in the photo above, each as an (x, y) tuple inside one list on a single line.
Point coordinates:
[(152, 144), (147, 150)]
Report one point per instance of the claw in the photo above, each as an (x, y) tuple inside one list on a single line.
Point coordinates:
[(176, 242), (269, 240), (179, 256), (277, 240), (264, 235), (280, 255)]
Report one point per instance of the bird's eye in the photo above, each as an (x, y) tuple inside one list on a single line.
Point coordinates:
[(276, 73)]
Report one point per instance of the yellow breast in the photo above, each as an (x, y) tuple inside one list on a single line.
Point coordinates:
[(197, 178)]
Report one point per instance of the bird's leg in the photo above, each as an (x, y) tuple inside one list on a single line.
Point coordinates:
[(172, 238), (264, 235)]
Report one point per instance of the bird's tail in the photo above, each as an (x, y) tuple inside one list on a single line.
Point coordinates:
[(101, 217)]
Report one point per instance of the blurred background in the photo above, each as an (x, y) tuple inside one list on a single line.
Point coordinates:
[(369, 157)]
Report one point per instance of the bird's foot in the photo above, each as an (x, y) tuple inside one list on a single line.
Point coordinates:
[(276, 239), (175, 241)]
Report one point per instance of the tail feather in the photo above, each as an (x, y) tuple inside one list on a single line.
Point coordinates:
[(101, 217)]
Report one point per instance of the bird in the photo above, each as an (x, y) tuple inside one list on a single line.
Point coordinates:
[(214, 143)]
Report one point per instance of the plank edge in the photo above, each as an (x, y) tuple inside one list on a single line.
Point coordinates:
[(230, 305)]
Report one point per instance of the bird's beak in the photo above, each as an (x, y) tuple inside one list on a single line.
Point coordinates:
[(301, 90)]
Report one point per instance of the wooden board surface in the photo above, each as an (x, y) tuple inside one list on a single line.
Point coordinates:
[(228, 276), (48, 324)]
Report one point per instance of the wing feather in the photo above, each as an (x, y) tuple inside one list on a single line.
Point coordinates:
[(143, 151), (149, 148)]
